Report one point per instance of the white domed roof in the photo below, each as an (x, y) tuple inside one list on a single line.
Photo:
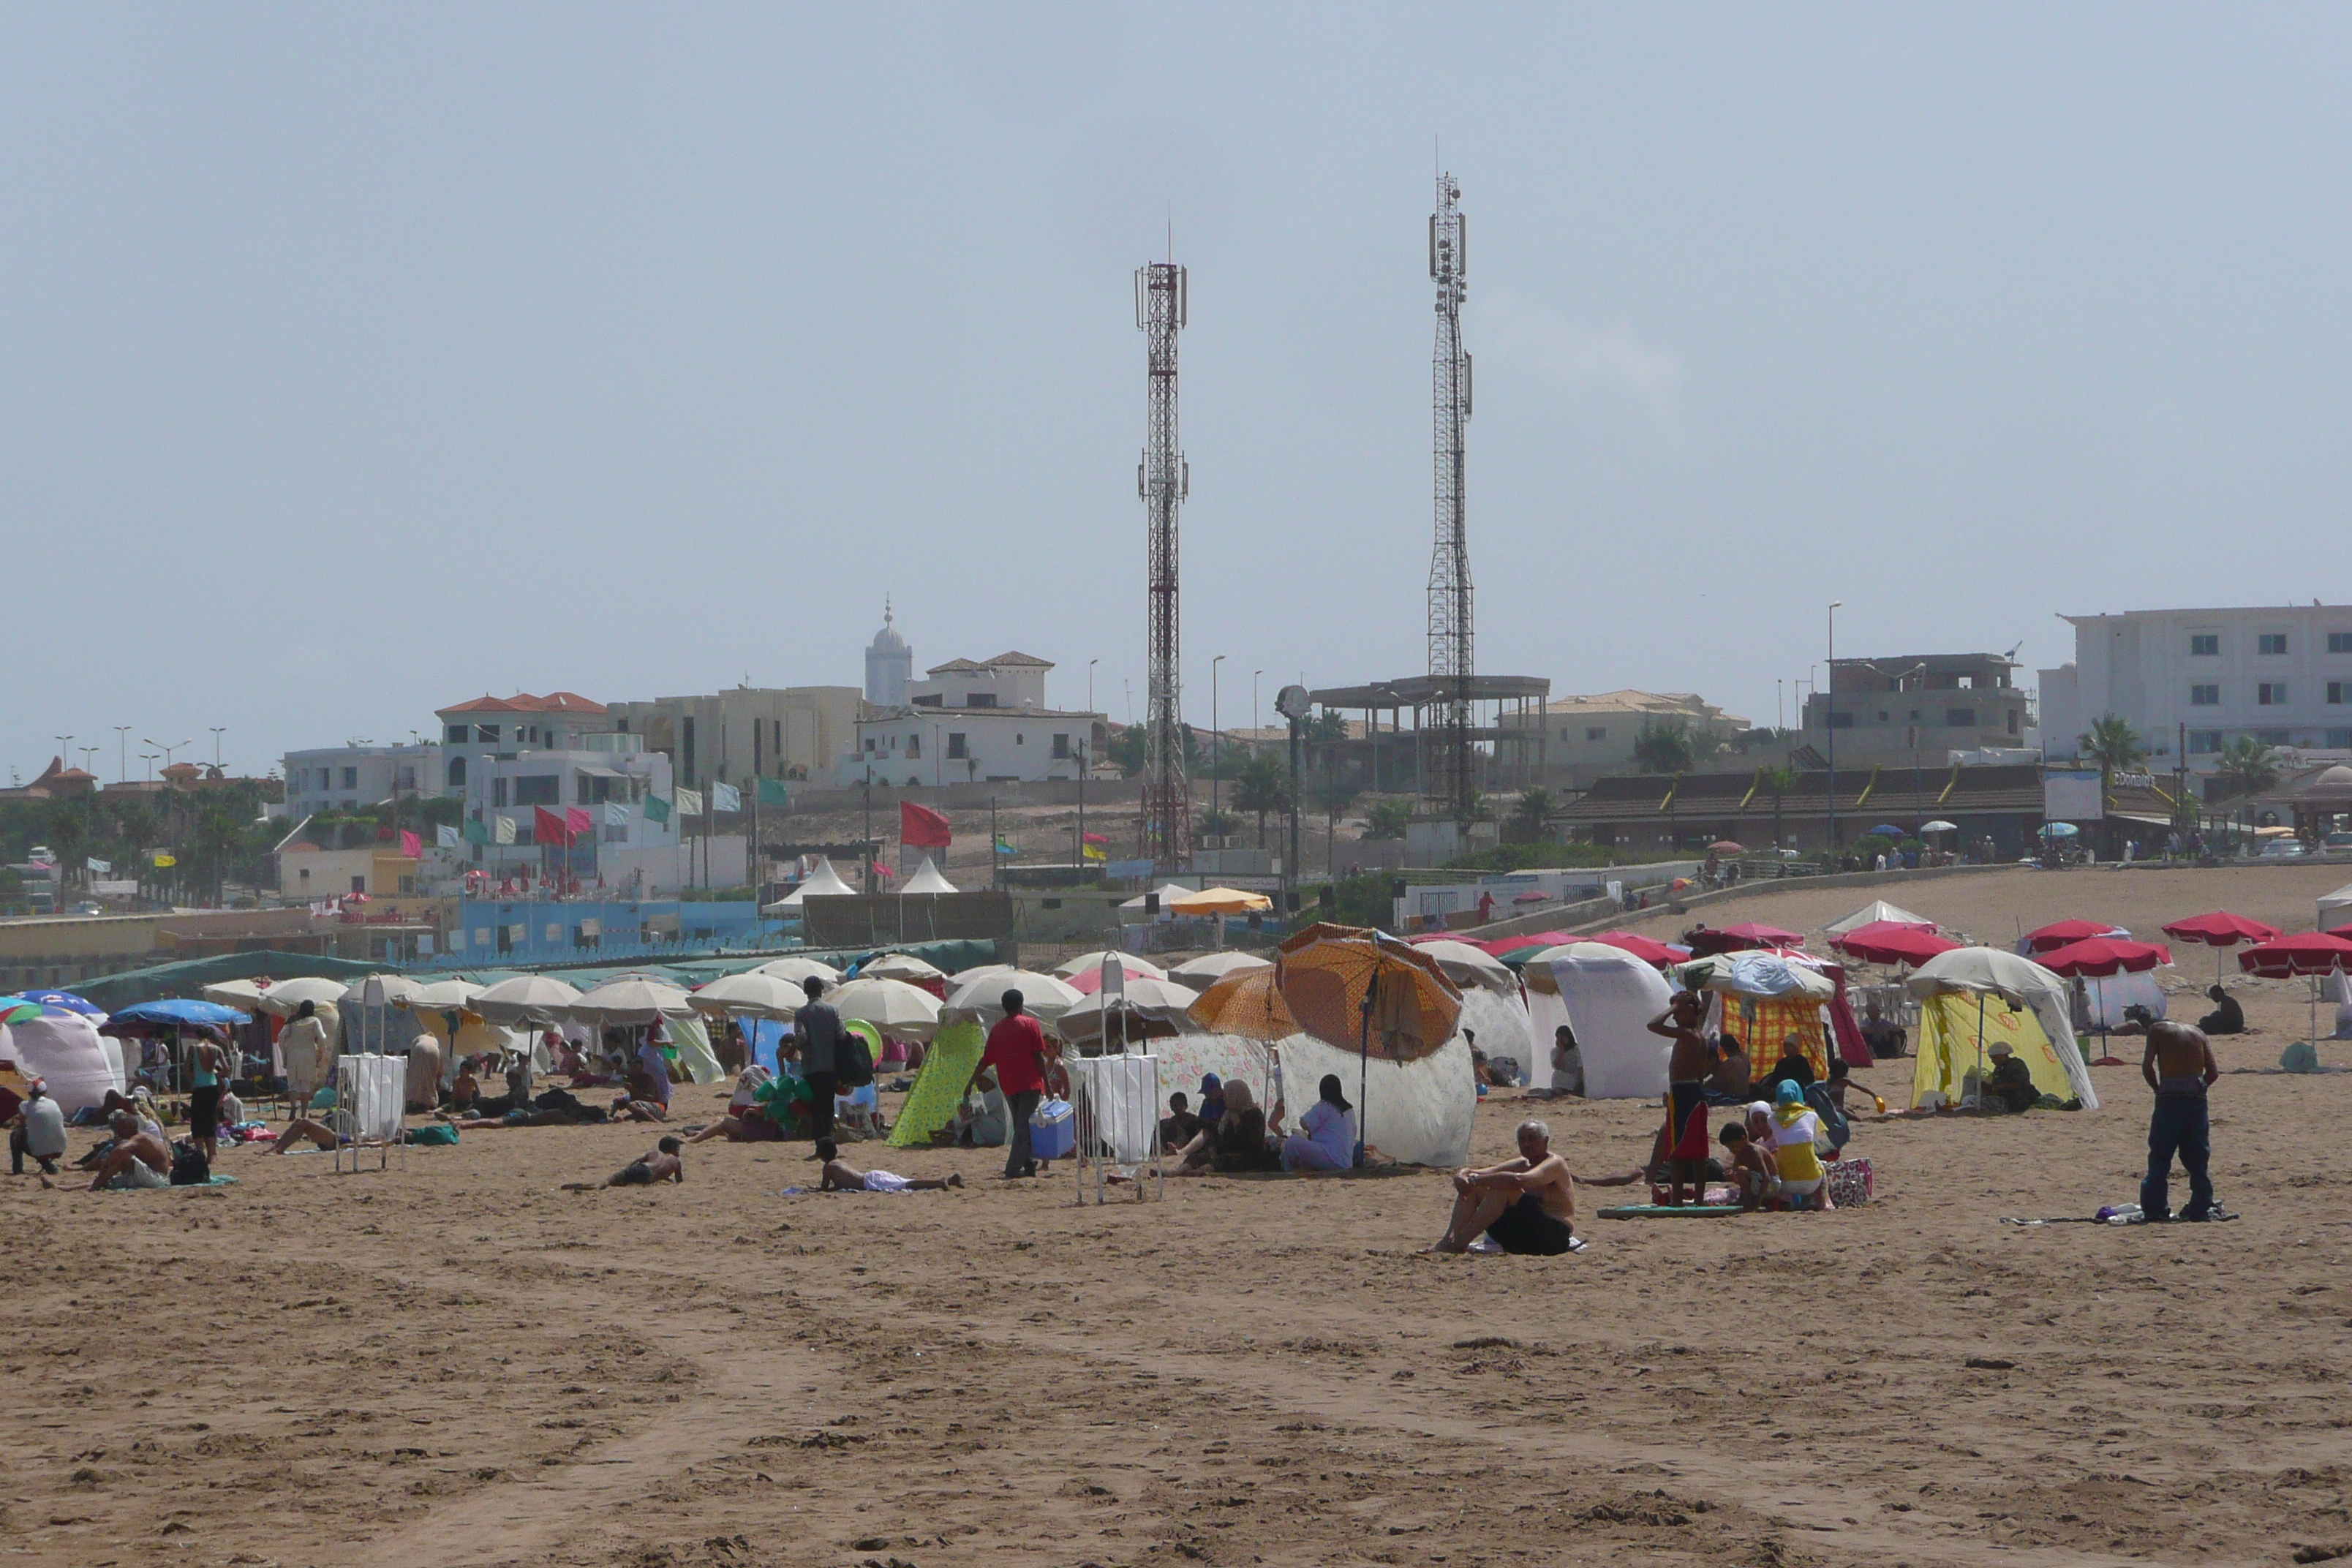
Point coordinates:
[(887, 639), (2338, 778)]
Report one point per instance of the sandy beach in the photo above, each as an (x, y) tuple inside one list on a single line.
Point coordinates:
[(454, 1362)]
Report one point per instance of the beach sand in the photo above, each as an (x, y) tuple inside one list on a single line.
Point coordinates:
[(454, 1363)]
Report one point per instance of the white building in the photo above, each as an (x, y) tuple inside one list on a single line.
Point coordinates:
[(356, 777), (791, 734), (970, 721), (889, 665), (2280, 674), (508, 758)]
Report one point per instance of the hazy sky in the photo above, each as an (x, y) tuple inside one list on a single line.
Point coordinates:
[(360, 360)]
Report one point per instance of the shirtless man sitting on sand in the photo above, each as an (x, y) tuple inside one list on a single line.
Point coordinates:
[(2180, 1066), (1686, 1072), (1525, 1205), (138, 1158)]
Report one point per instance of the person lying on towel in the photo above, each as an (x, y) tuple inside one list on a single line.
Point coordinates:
[(842, 1178), (1525, 1205)]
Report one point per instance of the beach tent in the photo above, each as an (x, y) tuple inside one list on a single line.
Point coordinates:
[(1974, 996), (822, 882), (1608, 996), (2334, 907), (1765, 1000), (1418, 1113), (928, 879), (1168, 893), (1877, 911), (62, 1048), (1499, 1020)]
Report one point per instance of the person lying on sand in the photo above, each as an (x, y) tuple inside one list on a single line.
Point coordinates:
[(659, 1163), (637, 1108), (841, 1178), (1526, 1206), (303, 1127), (138, 1158)]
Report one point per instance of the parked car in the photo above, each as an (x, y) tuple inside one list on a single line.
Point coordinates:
[(2285, 850), (2338, 841)]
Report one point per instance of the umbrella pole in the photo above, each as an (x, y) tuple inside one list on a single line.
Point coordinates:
[(1980, 1015), (1364, 1066)]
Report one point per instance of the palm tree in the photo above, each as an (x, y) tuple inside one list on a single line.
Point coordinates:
[(1530, 821), (68, 830), (1389, 819), (1333, 799), (1262, 786), (1665, 749), (2111, 742), (2245, 766), (1780, 784)]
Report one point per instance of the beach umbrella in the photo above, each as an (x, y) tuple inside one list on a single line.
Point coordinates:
[(2096, 957), (1888, 830), (1221, 901), (1204, 972), (526, 999), (1092, 962), (1467, 965), (2059, 934), (2310, 953), (1706, 939), (1330, 972), (629, 1001), (281, 998), (980, 993), (240, 993), (1143, 993), (1248, 1003), (796, 971), (1086, 982), (66, 1000), (146, 1018), (900, 966), (2219, 928), (897, 1009), (17, 1009), (1727, 847), (440, 996), (1752, 974), (1648, 949), (2059, 830), (1890, 941), (1940, 825), (1878, 911), (755, 994)]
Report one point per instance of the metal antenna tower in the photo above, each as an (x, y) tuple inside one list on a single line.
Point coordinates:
[(1450, 780), (1163, 479)]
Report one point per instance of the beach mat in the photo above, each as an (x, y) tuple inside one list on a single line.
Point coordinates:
[(1669, 1211), (192, 1186)]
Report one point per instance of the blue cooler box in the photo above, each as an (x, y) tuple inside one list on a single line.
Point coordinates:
[(1052, 1131)]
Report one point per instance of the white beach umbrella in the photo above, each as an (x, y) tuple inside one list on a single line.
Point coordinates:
[(378, 990), (899, 1010), (757, 992), (242, 994), (1211, 967), (629, 1000), (526, 999), (282, 999), (1093, 960), (441, 996), (900, 966), (980, 995), (794, 971), (1464, 965)]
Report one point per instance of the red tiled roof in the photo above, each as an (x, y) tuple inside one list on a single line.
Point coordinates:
[(524, 703)]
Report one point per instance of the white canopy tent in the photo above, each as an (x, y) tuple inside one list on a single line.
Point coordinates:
[(2334, 907), (1608, 996), (822, 882), (1876, 910), (928, 879)]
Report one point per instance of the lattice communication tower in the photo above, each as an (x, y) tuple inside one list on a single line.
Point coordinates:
[(1163, 479), (1451, 781)]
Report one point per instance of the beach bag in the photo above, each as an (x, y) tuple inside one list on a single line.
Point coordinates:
[(189, 1166), (853, 1060)]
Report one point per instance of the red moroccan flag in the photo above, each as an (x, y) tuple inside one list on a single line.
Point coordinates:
[(920, 828), (411, 844), (548, 826), (576, 820)]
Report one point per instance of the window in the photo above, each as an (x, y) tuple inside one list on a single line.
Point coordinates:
[(485, 734), (979, 698), (2336, 692), (1960, 718), (538, 789), (2204, 644), (350, 778), (2270, 645), (1061, 747), (914, 744), (1019, 739), (498, 791), (2339, 740), (2204, 742), (580, 789), (686, 752), (2340, 642), (869, 745), (1594, 733), (956, 751), (358, 884), (2013, 721), (2206, 696), (458, 733), (2273, 737), (2271, 694), (1882, 715), (457, 773)]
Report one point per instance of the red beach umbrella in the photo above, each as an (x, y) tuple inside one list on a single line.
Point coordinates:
[(2104, 955), (2058, 933), (1648, 949), (1891, 942)]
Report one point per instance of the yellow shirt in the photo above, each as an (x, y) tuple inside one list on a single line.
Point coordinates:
[(1793, 1145)]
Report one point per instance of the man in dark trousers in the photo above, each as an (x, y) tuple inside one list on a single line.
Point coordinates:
[(1016, 1049), (818, 1028), (2180, 1066)]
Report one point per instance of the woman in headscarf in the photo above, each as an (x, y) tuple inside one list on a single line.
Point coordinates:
[(310, 1055), (1235, 1142)]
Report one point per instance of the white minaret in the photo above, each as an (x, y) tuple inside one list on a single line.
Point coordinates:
[(889, 665)]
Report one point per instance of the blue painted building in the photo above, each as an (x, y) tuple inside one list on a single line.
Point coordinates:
[(493, 934)]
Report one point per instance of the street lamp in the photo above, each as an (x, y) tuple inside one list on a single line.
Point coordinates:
[(1254, 674), (122, 751), (1829, 718), (218, 731), (149, 758), (1216, 746), (64, 749), (167, 751), (87, 754)]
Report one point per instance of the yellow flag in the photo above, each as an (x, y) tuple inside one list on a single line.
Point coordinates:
[(1096, 852), (165, 857)]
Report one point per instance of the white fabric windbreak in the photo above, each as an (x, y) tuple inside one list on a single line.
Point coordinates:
[(1501, 1024), (2108, 997), (1608, 996), (63, 1050), (1417, 1112), (372, 1092), (1119, 1104)]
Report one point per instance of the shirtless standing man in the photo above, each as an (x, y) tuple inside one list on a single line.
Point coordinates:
[(1526, 1206), (1687, 1066), (2180, 1066)]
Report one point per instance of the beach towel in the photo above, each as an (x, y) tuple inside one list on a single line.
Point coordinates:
[(216, 1182), (939, 1087)]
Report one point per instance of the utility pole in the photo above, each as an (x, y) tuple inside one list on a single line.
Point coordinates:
[(220, 730), (1216, 748), (1452, 638), (122, 751), (1828, 719), (1162, 480)]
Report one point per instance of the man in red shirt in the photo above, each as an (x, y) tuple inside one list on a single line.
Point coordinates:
[(1016, 1049)]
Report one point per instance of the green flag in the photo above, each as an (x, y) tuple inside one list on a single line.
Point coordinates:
[(476, 832), (656, 809), (773, 793)]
